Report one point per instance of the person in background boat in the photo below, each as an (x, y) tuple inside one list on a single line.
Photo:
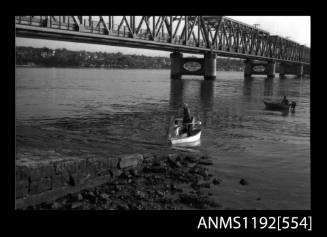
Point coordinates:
[(285, 101), (293, 104)]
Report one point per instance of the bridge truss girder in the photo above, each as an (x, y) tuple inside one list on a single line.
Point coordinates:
[(220, 34)]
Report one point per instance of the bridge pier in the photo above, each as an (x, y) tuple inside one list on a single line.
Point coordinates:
[(176, 63), (206, 66), (293, 69), (210, 60), (306, 69), (253, 67)]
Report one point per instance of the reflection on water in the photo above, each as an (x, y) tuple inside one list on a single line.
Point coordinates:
[(247, 85), (176, 93), (207, 94), (269, 86)]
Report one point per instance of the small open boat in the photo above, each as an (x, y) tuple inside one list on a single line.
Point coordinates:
[(178, 136), (273, 105), (194, 136)]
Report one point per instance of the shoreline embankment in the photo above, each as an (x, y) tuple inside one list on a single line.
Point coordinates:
[(129, 182)]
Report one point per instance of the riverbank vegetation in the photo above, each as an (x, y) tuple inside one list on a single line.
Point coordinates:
[(45, 57)]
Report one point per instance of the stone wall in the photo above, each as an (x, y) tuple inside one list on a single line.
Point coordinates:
[(40, 180)]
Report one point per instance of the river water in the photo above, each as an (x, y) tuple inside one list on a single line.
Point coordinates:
[(129, 111)]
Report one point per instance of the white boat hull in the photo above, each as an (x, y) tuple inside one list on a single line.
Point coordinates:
[(176, 140)]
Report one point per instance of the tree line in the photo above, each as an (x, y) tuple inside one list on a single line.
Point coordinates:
[(45, 57)]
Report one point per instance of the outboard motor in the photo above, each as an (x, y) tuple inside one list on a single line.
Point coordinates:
[(293, 104)]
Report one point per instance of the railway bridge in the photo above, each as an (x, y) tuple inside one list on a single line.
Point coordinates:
[(210, 36)]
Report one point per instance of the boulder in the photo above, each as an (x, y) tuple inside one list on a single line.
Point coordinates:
[(128, 161), (216, 181)]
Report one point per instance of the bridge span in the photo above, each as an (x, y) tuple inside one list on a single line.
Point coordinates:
[(210, 36)]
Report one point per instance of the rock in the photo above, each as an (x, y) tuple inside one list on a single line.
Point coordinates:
[(198, 201), (192, 200), (157, 163), (204, 185), (192, 158), (56, 205), (130, 161), (243, 182), (104, 196), (205, 162), (190, 165), (76, 205), (173, 156), (140, 194), (90, 196), (75, 197), (199, 192), (116, 173), (173, 163), (148, 157), (154, 169), (178, 164), (213, 203), (161, 194), (135, 173), (79, 197), (173, 187), (125, 175), (216, 181), (123, 206), (199, 170), (195, 185)]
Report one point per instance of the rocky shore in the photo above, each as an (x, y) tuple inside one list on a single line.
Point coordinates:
[(148, 182)]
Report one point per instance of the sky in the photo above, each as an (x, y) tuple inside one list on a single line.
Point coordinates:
[(297, 28)]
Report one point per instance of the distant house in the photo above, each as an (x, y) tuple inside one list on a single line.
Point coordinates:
[(48, 53)]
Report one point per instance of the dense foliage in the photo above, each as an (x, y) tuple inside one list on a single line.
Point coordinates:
[(46, 57)]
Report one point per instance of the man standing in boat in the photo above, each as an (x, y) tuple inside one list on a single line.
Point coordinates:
[(187, 119)]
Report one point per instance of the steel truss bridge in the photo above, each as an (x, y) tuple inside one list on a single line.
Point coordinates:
[(189, 34)]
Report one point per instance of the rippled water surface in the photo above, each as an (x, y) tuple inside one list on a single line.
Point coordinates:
[(130, 110)]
